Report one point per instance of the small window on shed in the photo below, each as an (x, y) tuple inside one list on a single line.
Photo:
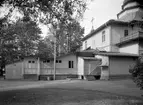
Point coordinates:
[(60, 61), (71, 64), (126, 33), (33, 61), (48, 61), (29, 61)]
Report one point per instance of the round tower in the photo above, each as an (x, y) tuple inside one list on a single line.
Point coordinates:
[(131, 10)]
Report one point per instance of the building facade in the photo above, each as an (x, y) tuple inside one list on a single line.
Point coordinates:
[(35, 68), (107, 51), (118, 43)]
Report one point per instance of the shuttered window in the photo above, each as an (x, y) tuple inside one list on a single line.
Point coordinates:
[(71, 64), (126, 33), (103, 36)]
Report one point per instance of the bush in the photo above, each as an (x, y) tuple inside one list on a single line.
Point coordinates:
[(137, 72)]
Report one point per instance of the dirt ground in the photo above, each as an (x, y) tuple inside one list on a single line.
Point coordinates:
[(65, 92)]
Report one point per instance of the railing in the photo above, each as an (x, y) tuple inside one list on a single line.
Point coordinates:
[(134, 35)]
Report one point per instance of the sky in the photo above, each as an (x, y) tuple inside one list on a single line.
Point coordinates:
[(101, 11)]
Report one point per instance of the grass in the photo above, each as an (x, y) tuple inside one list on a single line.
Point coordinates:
[(60, 96)]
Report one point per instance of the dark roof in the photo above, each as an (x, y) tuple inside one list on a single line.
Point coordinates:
[(116, 54), (90, 58), (132, 7), (129, 1), (86, 53), (64, 55), (14, 62), (108, 23)]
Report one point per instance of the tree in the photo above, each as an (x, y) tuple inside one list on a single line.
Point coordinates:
[(45, 49), (17, 40), (69, 37), (137, 72), (27, 37), (49, 11)]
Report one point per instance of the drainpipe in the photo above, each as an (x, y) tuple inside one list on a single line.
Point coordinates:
[(38, 67), (23, 69)]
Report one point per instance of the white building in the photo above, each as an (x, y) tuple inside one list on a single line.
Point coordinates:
[(107, 52), (118, 42)]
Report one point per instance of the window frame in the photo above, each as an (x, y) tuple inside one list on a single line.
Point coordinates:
[(71, 64), (86, 44), (126, 33), (103, 36)]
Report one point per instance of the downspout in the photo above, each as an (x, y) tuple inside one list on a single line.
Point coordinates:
[(23, 69), (111, 38), (109, 66), (38, 68)]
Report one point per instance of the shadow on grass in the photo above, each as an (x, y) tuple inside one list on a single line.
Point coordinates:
[(57, 96)]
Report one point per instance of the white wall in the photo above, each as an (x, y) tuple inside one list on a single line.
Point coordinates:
[(63, 67), (96, 40), (65, 61), (130, 48), (118, 32), (80, 66)]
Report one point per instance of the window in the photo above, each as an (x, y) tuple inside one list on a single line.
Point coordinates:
[(103, 36), (46, 61), (71, 64), (31, 64), (58, 61), (85, 44), (126, 33), (33, 61)]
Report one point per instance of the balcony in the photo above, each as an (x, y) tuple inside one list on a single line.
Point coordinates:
[(132, 37)]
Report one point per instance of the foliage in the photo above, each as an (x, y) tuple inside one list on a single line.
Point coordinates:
[(63, 13), (49, 11), (137, 72), (68, 37), (17, 40), (27, 37), (21, 37), (45, 49)]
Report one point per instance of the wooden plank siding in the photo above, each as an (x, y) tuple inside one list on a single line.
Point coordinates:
[(90, 66)]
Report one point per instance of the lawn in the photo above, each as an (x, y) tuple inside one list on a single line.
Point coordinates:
[(62, 96)]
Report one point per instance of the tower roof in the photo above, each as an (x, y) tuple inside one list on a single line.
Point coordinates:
[(129, 1)]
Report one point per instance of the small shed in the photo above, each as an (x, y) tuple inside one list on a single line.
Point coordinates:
[(14, 70)]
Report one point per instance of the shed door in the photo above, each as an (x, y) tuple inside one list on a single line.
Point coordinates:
[(90, 67), (14, 71)]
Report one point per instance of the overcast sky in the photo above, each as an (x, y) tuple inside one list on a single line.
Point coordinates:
[(101, 11)]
